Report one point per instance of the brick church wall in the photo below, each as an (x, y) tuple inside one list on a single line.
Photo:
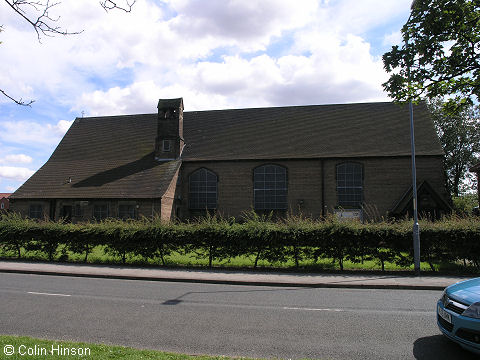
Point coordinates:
[(385, 182)]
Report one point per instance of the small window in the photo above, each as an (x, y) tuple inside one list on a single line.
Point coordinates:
[(100, 212), (270, 187), (203, 190), (126, 211), (166, 145), (350, 185), (2, 206), (35, 211), (164, 115), (77, 210)]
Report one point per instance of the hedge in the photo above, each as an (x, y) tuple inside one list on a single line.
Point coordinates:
[(449, 240)]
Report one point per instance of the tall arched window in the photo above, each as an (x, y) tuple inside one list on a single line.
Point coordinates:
[(350, 185), (203, 190), (270, 187)]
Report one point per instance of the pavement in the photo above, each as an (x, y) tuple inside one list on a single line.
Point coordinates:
[(221, 276)]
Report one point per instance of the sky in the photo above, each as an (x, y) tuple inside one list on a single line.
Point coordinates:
[(216, 54)]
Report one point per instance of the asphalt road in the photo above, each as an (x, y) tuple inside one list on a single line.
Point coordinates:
[(230, 320)]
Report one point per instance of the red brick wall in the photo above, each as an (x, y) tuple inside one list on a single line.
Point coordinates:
[(4, 204), (168, 204)]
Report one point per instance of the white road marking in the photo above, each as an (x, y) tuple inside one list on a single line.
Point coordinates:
[(49, 294), (310, 309)]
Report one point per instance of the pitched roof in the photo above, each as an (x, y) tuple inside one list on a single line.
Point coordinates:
[(402, 205), (113, 156), (319, 131), (5, 195), (170, 103)]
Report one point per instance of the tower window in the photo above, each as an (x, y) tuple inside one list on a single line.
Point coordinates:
[(166, 145)]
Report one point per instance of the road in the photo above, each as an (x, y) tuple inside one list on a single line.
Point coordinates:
[(229, 320)]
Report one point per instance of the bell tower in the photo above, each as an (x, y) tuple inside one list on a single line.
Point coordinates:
[(169, 141)]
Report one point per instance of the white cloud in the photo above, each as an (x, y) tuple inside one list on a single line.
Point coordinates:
[(394, 38), (332, 73), (137, 98), (16, 159), (62, 126), (358, 17), (329, 60), (122, 63), (10, 188), (248, 24), (31, 133), (142, 97), (336, 70), (15, 173)]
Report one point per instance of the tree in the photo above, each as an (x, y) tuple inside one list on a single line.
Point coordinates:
[(459, 134), (37, 14), (440, 54)]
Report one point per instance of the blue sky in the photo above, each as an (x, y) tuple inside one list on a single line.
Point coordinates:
[(216, 54)]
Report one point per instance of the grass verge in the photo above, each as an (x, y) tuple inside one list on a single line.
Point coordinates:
[(190, 260), (30, 348)]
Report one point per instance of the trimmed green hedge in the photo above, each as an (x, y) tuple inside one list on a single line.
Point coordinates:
[(449, 240)]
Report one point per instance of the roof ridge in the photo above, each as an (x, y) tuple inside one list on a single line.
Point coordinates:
[(248, 108), (114, 116), (298, 106)]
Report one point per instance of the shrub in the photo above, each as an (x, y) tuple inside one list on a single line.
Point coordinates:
[(295, 239)]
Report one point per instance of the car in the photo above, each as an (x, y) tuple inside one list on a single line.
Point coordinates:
[(458, 314)]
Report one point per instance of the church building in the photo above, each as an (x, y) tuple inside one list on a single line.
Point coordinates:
[(352, 160)]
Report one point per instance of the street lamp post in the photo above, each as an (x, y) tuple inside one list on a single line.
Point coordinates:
[(416, 227)]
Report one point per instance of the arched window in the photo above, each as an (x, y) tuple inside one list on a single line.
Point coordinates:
[(202, 190), (350, 185), (270, 187)]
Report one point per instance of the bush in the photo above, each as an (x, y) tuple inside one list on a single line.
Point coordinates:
[(213, 239), (463, 205)]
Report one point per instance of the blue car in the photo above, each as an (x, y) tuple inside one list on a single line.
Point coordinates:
[(458, 314)]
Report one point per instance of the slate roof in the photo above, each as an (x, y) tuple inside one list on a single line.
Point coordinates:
[(112, 157), (170, 103), (105, 157), (321, 131)]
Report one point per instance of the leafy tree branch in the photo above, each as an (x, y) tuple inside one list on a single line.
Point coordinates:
[(440, 53), (459, 134)]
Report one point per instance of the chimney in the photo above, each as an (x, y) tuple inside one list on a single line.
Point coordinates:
[(169, 141)]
